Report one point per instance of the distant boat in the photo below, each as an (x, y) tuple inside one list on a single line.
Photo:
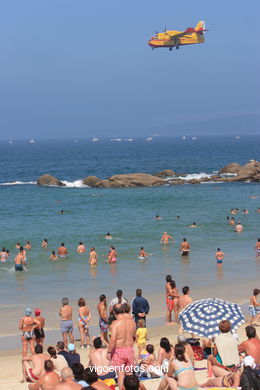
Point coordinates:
[(95, 139), (130, 139), (32, 141), (194, 137), (237, 137), (10, 142), (75, 140), (184, 137), (149, 139), (116, 140)]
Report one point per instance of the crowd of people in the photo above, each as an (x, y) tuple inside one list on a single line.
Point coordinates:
[(121, 353)]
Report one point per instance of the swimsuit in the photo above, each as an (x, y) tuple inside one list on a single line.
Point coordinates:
[(18, 267), (254, 310), (66, 326), (219, 261), (180, 371), (3, 257), (113, 260), (39, 333), (84, 322), (28, 334), (170, 303), (123, 356), (103, 325), (30, 377)]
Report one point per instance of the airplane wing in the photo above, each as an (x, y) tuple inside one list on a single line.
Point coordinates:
[(189, 30)]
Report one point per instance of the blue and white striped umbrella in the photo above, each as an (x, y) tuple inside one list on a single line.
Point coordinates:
[(203, 317)]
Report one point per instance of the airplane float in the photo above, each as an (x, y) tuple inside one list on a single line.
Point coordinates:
[(176, 39)]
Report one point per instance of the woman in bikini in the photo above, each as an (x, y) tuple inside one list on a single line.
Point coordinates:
[(83, 323), (112, 255), (27, 325), (181, 371)]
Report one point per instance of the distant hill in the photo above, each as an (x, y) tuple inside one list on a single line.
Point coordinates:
[(235, 125)]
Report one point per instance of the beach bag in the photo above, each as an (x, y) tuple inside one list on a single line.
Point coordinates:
[(198, 352)]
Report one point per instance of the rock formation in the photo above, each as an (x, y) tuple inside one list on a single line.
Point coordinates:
[(49, 180)]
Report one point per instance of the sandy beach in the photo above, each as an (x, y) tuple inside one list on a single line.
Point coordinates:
[(10, 361)]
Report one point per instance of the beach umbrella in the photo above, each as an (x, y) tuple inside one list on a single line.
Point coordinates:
[(203, 317)]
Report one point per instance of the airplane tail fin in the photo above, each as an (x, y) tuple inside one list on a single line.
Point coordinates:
[(200, 26)]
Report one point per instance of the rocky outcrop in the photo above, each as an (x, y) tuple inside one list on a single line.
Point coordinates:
[(135, 180), (231, 168), (165, 173), (91, 181), (49, 180), (250, 171)]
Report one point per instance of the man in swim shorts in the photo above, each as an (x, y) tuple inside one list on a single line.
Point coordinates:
[(33, 366), (62, 251), (66, 325), (219, 258), (19, 261), (185, 247), (102, 311), (120, 349)]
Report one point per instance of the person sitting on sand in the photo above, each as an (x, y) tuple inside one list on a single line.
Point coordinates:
[(254, 307), (48, 380), (165, 238), (131, 382), (78, 372), (180, 374), (98, 358), (33, 366), (108, 236), (81, 248), (62, 251), (83, 323), (53, 256), (225, 355), (251, 347), (67, 380), (58, 360), (257, 247), (27, 324), (93, 257), (91, 377), (184, 247), (188, 348), (74, 357), (44, 243), (165, 353), (38, 330), (239, 228)]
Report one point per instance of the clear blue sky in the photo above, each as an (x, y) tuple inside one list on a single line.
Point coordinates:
[(79, 68)]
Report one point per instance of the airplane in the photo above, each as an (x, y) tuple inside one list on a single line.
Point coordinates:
[(176, 39)]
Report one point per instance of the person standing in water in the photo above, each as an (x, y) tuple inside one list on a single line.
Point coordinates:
[(257, 247), (112, 255), (185, 247), (62, 251), (81, 248), (44, 243), (93, 257), (165, 238), (219, 258)]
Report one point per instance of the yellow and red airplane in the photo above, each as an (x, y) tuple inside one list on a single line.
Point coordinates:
[(176, 39)]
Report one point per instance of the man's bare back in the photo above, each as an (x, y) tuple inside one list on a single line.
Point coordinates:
[(184, 301), (66, 313), (37, 362)]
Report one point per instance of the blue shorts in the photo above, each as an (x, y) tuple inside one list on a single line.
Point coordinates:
[(66, 326), (254, 310), (18, 267), (219, 261)]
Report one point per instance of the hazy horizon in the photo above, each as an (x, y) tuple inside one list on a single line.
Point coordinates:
[(79, 69)]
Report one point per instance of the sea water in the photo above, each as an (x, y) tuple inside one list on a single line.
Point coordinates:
[(30, 212)]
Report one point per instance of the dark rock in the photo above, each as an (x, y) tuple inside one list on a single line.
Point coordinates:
[(135, 180), (48, 180), (90, 181), (165, 173)]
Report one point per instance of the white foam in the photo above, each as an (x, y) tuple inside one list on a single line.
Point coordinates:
[(18, 183), (196, 176), (75, 184)]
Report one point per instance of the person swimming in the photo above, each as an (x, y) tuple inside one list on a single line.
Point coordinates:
[(3, 255), (193, 225), (53, 256), (108, 236)]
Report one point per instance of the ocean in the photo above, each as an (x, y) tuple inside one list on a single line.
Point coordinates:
[(30, 212)]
